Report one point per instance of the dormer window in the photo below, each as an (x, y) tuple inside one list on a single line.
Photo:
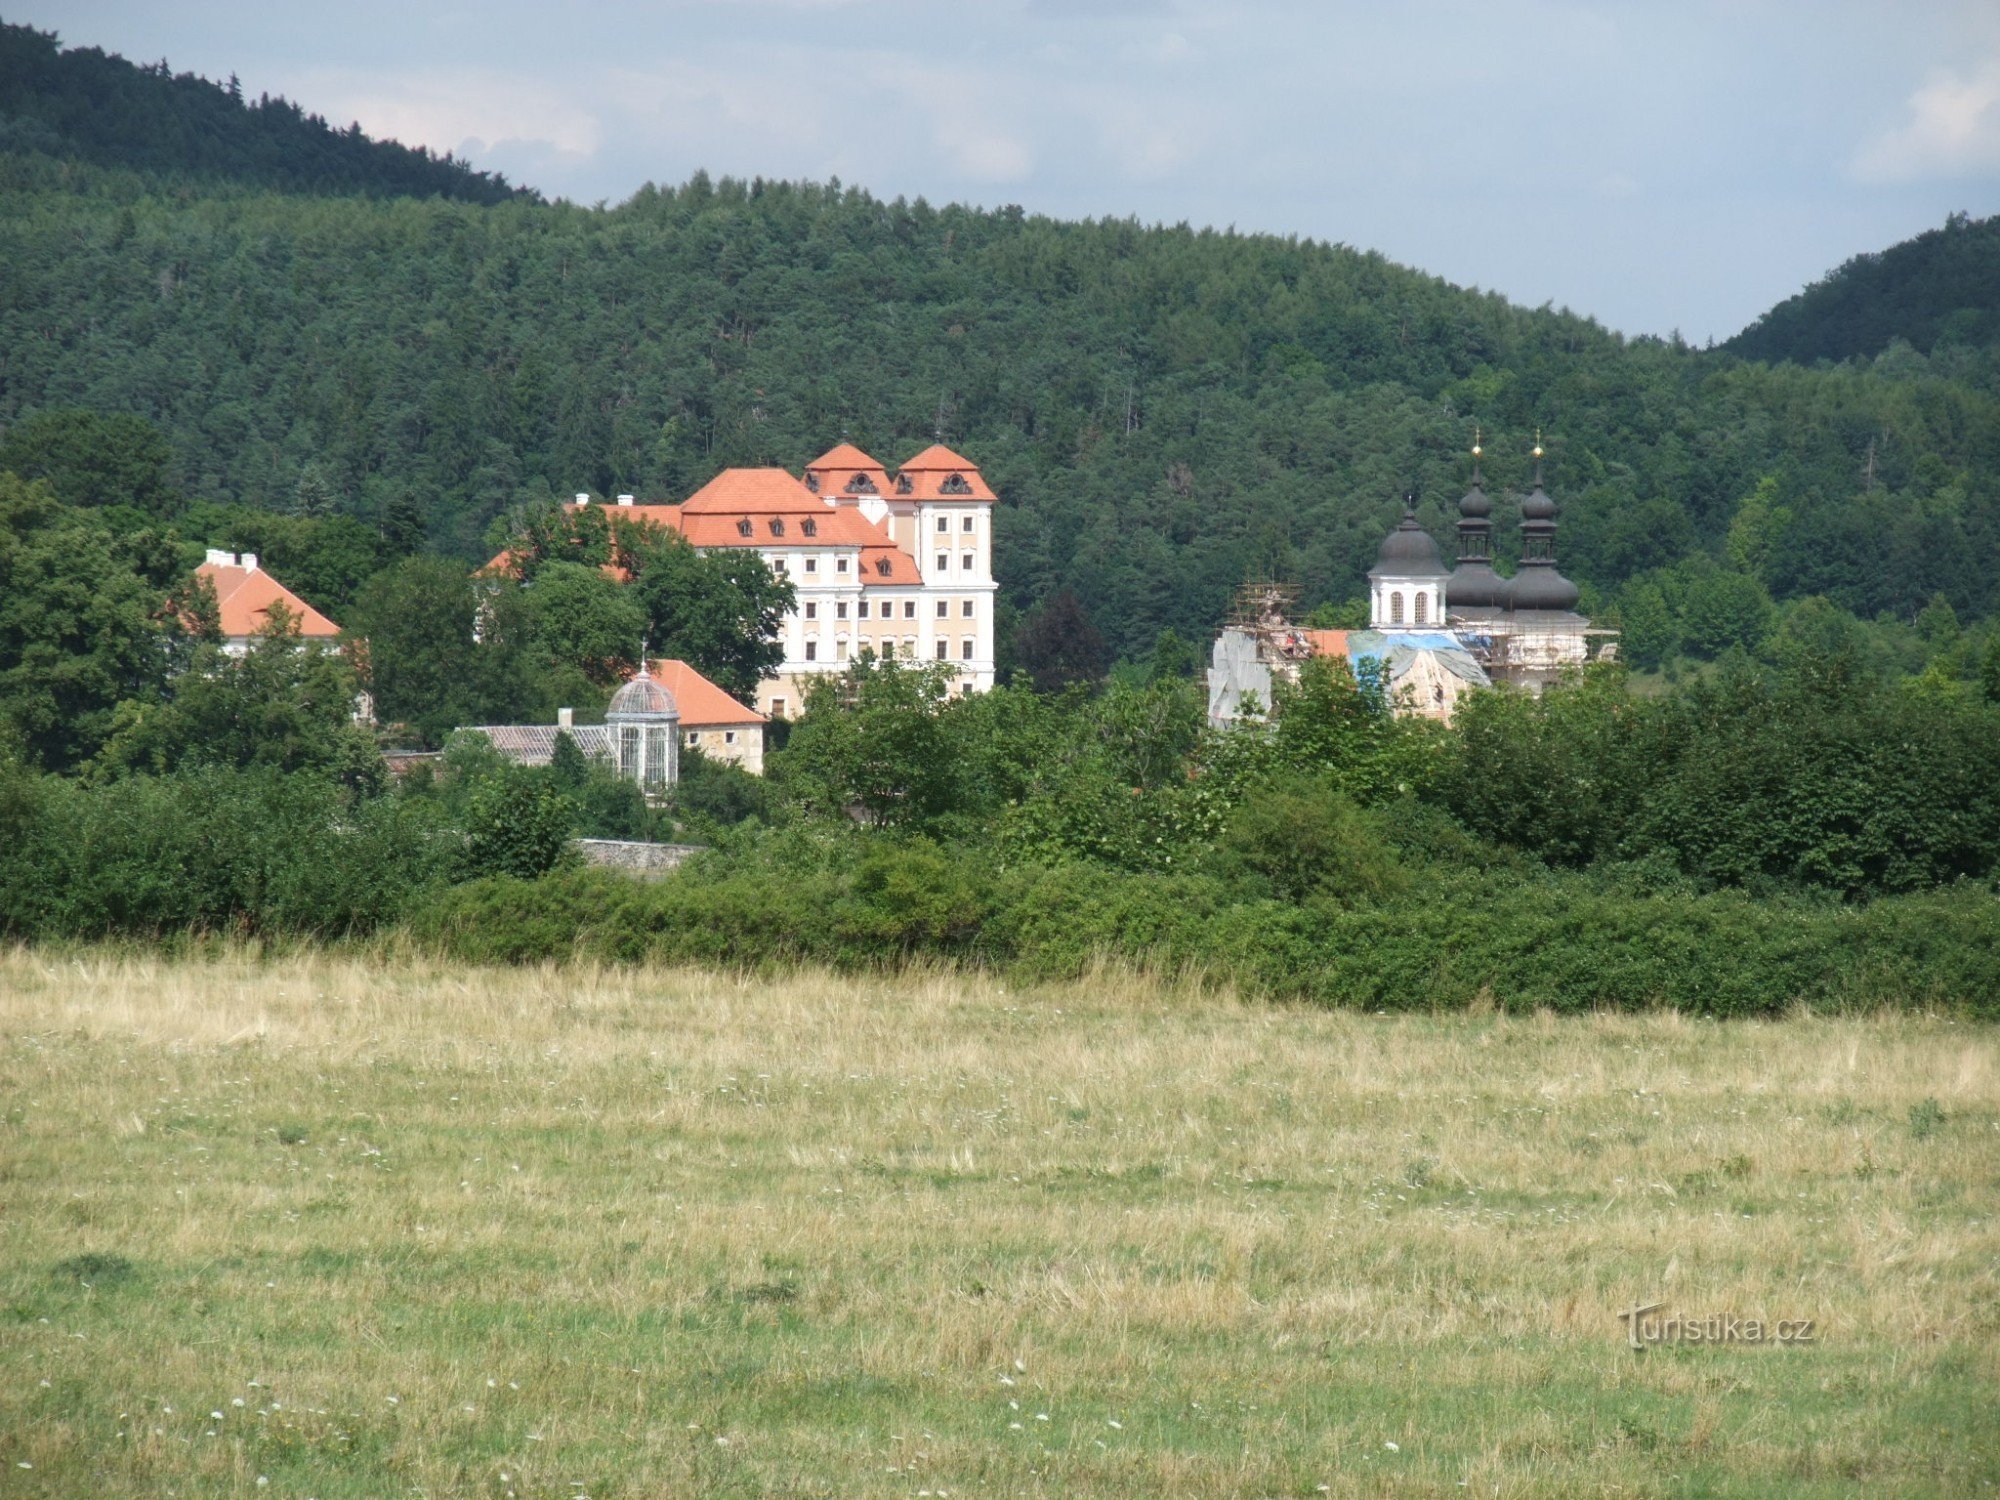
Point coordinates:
[(861, 484), (809, 526), (812, 482), (904, 484), (777, 526), (883, 566), (743, 527), (954, 484)]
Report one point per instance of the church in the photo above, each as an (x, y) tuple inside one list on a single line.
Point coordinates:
[(1434, 634)]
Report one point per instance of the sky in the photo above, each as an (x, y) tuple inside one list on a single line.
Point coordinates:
[(1663, 167)]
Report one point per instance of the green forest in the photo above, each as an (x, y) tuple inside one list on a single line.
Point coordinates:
[(230, 324), (1164, 411)]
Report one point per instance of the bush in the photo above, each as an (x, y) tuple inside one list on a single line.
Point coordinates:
[(1566, 943), (216, 849)]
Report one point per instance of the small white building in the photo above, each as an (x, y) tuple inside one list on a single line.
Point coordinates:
[(664, 708)]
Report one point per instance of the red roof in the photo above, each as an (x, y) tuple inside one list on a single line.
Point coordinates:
[(843, 456), (1327, 642), (762, 491), (701, 702), (845, 472), (244, 597), (937, 473), (937, 456), (901, 567)]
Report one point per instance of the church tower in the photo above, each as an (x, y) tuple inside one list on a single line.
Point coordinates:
[(1536, 585), (1406, 587), (1476, 590)]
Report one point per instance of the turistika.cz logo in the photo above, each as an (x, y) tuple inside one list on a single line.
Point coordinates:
[(1643, 1329)]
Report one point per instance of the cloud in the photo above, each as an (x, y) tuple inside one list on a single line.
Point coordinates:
[(1953, 131), (468, 110)]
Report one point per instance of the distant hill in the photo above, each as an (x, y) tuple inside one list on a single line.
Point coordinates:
[(90, 105), (1943, 287), (1164, 411)]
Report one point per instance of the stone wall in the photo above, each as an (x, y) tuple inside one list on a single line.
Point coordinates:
[(649, 861)]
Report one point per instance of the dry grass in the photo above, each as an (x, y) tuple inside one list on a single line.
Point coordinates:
[(594, 1232)]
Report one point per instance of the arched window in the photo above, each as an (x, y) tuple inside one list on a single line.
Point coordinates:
[(1395, 609), (954, 484), (1423, 609), (861, 484)]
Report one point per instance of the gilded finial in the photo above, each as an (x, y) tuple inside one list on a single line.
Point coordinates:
[(1476, 449), (1538, 442)]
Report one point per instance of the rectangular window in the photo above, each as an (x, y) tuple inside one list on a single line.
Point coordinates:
[(967, 527), (944, 650), (889, 649), (840, 565), (812, 609), (728, 736), (812, 565), (840, 610), (861, 610), (966, 609), (778, 708), (965, 648), (840, 648), (967, 564), (944, 561), (812, 650), (909, 609), (944, 609), (693, 737), (944, 524)]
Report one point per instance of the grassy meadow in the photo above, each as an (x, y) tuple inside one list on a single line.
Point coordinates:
[(323, 1225)]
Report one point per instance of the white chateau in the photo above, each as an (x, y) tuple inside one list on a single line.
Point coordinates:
[(1433, 634), (896, 563)]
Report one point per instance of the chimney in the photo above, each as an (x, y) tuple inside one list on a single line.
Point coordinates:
[(624, 499), (249, 561), (565, 718), (582, 498), (217, 558)]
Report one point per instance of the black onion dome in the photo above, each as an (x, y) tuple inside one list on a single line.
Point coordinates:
[(1474, 585), (642, 697), (1409, 551), (1538, 506), (1541, 588), (1475, 506)]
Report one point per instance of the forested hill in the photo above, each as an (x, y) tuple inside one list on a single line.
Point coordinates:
[(1163, 411), (89, 105), (1941, 288)]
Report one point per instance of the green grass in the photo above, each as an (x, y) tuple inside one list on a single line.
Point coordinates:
[(618, 1233)]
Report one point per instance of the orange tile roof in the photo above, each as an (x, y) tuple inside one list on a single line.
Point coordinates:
[(844, 472), (1327, 642), (927, 472), (701, 702), (244, 597), (845, 527), (759, 491), (937, 456), (902, 568), (842, 456)]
